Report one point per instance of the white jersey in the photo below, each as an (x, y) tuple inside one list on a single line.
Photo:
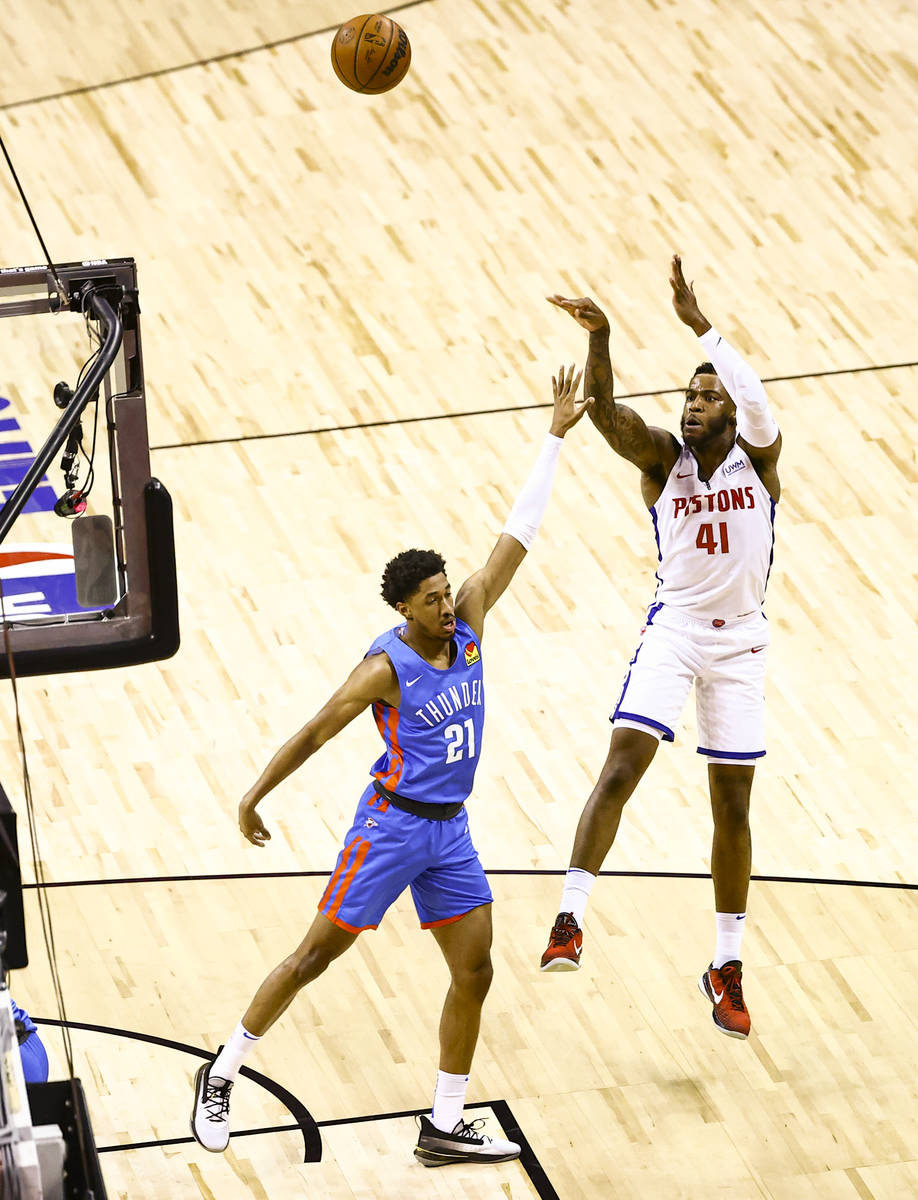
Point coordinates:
[(715, 539)]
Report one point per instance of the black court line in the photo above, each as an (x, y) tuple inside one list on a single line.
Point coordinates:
[(489, 412), (188, 66), (860, 883), (507, 1121), (305, 1123), (500, 1108), (240, 1133), (530, 1163)]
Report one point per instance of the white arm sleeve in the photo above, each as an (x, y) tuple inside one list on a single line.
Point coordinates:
[(529, 508), (755, 422)]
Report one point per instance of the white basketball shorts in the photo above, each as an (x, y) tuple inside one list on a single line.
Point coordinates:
[(725, 661)]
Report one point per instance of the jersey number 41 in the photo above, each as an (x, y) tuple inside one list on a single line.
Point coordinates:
[(707, 538)]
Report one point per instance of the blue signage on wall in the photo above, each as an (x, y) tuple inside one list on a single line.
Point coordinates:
[(38, 578)]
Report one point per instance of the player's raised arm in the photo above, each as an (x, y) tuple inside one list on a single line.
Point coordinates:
[(652, 450), (756, 428), (372, 679), (482, 590)]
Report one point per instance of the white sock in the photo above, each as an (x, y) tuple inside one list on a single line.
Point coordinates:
[(730, 928), (449, 1100), (239, 1043), (577, 887)]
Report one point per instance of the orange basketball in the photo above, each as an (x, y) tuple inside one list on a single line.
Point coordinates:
[(371, 54)]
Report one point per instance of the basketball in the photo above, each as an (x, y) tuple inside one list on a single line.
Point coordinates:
[(371, 54)]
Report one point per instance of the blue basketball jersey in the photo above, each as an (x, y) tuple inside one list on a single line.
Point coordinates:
[(433, 739)]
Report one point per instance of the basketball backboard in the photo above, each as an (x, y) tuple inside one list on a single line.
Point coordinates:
[(80, 592)]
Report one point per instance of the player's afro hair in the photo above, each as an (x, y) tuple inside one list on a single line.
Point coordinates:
[(405, 573), (704, 368)]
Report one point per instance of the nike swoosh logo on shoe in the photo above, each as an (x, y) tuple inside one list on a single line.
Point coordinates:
[(718, 996)]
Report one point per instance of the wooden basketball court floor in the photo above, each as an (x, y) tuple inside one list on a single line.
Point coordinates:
[(346, 349)]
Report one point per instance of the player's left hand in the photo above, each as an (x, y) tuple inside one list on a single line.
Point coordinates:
[(684, 301), (568, 409)]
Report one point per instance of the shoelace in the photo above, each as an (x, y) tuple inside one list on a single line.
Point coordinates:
[(561, 934), (470, 1131), (732, 986), (216, 1100)]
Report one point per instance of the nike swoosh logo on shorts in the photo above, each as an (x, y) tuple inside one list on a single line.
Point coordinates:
[(409, 682), (685, 476), (756, 649)]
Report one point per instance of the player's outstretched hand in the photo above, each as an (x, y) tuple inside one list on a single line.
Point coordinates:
[(252, 825), (584, 311), (684, 301), (568, 409)]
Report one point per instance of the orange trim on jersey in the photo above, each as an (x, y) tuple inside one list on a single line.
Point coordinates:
[(395, 750), (363, 849), (388, 731), (333, 882)]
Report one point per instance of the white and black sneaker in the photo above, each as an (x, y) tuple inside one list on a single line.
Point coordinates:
[(436, 1148), (210, 1115)]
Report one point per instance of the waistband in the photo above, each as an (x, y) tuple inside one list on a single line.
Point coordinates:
[(419, 808), (662, 614)]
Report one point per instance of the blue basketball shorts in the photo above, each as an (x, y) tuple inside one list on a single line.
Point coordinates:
[(387, 850), (726, 663)]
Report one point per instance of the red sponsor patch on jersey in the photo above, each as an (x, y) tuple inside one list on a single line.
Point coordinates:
[(471, 654)]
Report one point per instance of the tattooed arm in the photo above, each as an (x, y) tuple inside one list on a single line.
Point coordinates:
[(653, 450)]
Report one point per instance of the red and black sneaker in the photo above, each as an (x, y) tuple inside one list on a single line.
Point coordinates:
[(564, 945), (723, 986)]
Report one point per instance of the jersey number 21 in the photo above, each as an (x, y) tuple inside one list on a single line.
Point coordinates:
[(460, 741)]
